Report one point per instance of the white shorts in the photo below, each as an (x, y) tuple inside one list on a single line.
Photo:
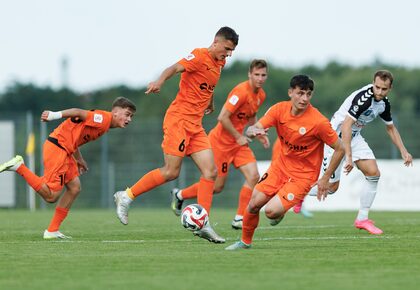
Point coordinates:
[(360, 150)]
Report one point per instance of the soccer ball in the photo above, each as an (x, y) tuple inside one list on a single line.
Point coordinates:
[(194, 217)]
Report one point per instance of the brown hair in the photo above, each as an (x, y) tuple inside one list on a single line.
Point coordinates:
[(124, 103), (258, 63), (384, 75)]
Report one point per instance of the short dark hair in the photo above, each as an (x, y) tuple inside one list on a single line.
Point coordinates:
[(228, 34), (258, 63), (303, 82), (384, 75), (124, 103)]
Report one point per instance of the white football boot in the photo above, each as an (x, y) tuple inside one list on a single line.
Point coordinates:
[(237, 223), (55, 235), (209, 234), (238, 246), (122, 202), (176, 203)]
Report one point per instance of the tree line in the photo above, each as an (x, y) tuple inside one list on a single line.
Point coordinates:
[(333, 83)]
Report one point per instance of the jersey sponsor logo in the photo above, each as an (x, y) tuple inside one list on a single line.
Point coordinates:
[(205, 86), (302, 130), (98, 118), (294, 147), (234, 100), (190, 57)]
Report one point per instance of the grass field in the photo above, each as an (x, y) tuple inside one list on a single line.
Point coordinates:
[(155, 252)]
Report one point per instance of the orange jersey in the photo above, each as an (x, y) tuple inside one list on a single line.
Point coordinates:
[(196, 87), (73, 132), (301, 140), (276, 150), (243, 103)]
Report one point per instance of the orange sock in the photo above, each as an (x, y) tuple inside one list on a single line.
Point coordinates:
[(149, 181), (244, 198), (190, 191), (249, 224), (205, 193), (59, 215), (31, 178)]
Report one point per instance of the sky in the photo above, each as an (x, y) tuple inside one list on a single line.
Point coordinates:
[(112, 42)]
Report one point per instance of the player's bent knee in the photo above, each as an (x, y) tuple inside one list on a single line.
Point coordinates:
[(171, 175), (271, 214), (254, 179), (75, 191), (253, 208), (52, 197), (211, 174)]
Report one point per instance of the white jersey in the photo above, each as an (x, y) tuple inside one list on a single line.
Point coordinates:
[(362, 107)]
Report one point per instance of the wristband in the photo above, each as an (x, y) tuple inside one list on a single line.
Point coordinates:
[(54, 115)]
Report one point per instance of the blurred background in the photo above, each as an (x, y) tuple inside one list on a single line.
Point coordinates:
[(56, 55)]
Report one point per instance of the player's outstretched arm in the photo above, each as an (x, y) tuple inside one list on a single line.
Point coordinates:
[(262, 138), (224, 119), (47, 116), (256, 130), (396, 139), (154, 87), (346, 133), (336, 158)]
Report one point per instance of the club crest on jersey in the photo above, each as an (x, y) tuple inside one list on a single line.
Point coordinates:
[(234, 100), (98, 118), (290, 196), (302, 130), (190, 56)]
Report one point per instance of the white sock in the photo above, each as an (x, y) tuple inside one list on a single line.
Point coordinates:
[(367, 197), (238, 217), (179, 195)]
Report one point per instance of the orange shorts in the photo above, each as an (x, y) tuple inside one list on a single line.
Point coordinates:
[(182, 138), (59, 167), (224, 156), (290, 191)]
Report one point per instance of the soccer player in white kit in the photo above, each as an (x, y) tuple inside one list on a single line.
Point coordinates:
[(359, 109)]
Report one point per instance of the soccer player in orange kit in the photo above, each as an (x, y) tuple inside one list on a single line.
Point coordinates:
[(63, 162), (183, 133), (228, 143), (302, 131)]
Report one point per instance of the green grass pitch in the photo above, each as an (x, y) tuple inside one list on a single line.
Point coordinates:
[(155, 252)]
